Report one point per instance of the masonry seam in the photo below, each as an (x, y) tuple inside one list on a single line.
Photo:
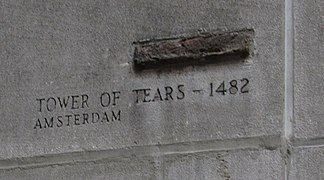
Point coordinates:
[(289, 85), (265, 142)]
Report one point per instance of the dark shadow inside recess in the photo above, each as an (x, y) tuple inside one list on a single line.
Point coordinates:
[(182, 63)]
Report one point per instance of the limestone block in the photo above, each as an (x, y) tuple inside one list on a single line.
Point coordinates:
[(68, 82), (308, 69), (307, 163)]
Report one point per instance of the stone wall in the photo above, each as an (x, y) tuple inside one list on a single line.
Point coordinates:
[(169, 89)]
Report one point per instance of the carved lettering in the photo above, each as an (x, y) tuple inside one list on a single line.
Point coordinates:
[(76, 110)]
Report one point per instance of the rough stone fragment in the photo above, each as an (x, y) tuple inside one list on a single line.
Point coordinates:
[(193, 49)]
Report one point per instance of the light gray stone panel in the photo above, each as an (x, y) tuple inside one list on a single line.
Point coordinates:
[(249, 164), (308, 69), (121, 168), (240, 164), (64, 48), (307, 163)]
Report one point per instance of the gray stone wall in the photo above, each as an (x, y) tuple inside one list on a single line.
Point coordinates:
[(74, 105)]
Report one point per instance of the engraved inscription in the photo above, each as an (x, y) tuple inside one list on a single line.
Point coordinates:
[(234, 87), (71, 104), (75, 110), (159, 94)]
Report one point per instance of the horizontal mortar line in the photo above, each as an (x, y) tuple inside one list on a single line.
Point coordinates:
[(304, 143), (259, 142)]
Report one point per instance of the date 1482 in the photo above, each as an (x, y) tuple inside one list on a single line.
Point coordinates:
[(232, 87)]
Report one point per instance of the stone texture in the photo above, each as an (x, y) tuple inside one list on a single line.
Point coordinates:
[(307, 163), (65, 48), (240, 164), (308, 69), (249, 164), (193, 49), (123, 168), (73, 105)]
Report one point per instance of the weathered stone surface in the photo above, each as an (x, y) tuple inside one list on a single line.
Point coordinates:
[(82, 51), (241, 164), (307, 163), (308, 69), (233, 164), (126, 168), (195, 49)]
